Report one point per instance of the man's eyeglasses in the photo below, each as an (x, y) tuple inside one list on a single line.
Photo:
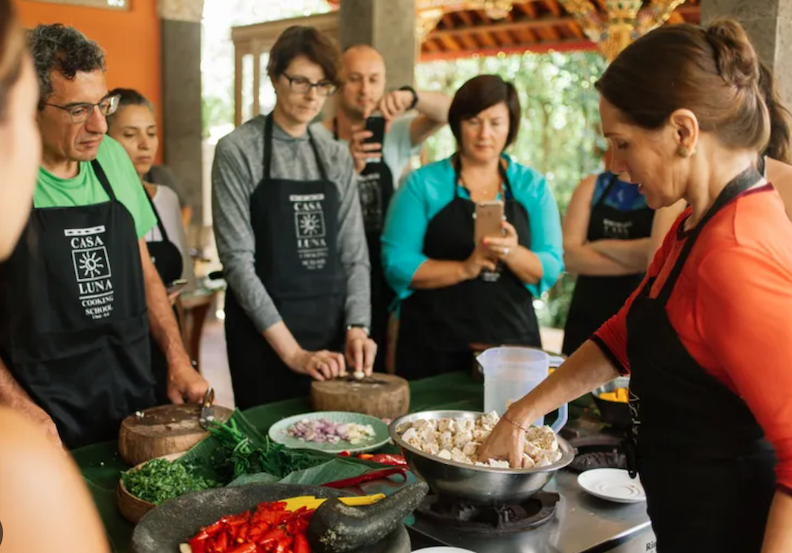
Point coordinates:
[(80, 113), (301, 85)]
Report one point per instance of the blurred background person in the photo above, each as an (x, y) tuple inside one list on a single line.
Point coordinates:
[(38, 480), (610, 236), (454, 292)]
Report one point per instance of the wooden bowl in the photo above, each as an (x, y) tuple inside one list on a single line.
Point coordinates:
[(162, 431), (131, 507)]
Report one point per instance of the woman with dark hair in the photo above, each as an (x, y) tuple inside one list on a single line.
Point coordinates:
[(456, 292), (777, 156), (290, 236), (134, 126), (707, 337), (37, 478)]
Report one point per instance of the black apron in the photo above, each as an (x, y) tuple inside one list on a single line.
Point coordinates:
[(295, 224), (702, 457), (168, 260), (376, 189), (598, 298), (437, 327), (75, 331)]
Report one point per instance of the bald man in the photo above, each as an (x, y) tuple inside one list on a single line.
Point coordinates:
[(380, 166)]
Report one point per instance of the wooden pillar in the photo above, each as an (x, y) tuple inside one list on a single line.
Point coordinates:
[(181, 98), (768, 23), (387, 25)]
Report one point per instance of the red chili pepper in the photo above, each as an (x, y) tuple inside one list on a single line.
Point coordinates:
[(388, 459), (284, 545), (256, 532), (246, 548), (301, 544), (242, 535), (365, 456), (345, 454), (374, 475), (221, 542), (197, 546), (272, 536)]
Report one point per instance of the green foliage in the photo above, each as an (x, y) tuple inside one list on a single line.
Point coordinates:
[(559, 129), (160, 480)]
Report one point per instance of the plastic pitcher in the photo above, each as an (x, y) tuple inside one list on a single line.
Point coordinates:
[(512, 372)]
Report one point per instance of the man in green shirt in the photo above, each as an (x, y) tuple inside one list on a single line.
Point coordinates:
[(80, 294)]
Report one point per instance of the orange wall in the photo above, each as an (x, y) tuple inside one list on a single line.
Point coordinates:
[(130, 39)]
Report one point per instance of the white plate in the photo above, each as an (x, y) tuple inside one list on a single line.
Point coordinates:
[(443, 550), (613, 485)]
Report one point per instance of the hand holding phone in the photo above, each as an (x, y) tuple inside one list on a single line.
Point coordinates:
[(489, 220), (375, 124)]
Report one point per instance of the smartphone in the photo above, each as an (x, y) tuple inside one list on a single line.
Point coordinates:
[(176, 285), (489, 220), (375, 124)]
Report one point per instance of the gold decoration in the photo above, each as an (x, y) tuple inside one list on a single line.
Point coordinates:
[(625, 21)]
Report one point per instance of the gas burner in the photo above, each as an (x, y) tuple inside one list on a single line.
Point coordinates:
[(598, 452), (489, 519)]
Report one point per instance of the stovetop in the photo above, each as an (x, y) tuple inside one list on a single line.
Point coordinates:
[(582, 523), (576, 523)]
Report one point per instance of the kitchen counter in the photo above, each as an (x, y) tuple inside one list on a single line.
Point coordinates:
[(582, 523)]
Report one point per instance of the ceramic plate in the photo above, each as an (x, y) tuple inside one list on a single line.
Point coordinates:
[(443, 550), (277, 432), (613, 485)]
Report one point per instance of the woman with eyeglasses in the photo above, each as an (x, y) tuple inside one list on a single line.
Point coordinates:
[(290, 236)]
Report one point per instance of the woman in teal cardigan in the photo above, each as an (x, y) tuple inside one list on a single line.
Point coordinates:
[(453, 291)]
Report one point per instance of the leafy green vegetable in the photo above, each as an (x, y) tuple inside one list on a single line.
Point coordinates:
[(160, 480), (236, 454), (239, 455)]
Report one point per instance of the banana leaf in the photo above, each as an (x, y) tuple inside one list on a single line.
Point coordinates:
[(330, 471), (218, 456)]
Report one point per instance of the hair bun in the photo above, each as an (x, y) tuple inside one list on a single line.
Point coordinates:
[(735, 57)]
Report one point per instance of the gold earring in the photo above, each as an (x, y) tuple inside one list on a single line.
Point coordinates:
[(683, 151)]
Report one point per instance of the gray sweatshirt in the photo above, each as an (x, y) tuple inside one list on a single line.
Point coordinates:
[(238, 170)]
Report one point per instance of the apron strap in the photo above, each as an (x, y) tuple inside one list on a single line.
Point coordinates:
[(161, 227), (611, 183), (741, 183), (100, 174), (268, 150)]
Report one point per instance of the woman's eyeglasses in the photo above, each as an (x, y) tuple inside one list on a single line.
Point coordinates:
[(301, 85)]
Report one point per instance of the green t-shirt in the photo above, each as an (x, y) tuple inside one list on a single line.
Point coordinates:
[(85, 188)]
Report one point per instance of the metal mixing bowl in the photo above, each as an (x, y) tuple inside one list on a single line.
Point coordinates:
[(483, 485)]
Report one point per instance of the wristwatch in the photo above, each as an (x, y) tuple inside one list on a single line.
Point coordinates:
[(408, 88), (364, 328)]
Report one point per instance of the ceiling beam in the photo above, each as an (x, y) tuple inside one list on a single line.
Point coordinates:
[(494, 27), (572, 45)]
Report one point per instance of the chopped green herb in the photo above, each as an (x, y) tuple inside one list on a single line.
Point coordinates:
[(160, 480)]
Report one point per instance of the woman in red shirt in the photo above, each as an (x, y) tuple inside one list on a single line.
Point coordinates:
[(707, 337)]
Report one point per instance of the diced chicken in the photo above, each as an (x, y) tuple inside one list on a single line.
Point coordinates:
[(470, 448), (445, 425), (460, 440)]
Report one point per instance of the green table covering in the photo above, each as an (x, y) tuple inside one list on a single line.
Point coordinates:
[(101, 465)]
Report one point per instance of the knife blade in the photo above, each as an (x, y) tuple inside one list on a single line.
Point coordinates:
[(207, 413)]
